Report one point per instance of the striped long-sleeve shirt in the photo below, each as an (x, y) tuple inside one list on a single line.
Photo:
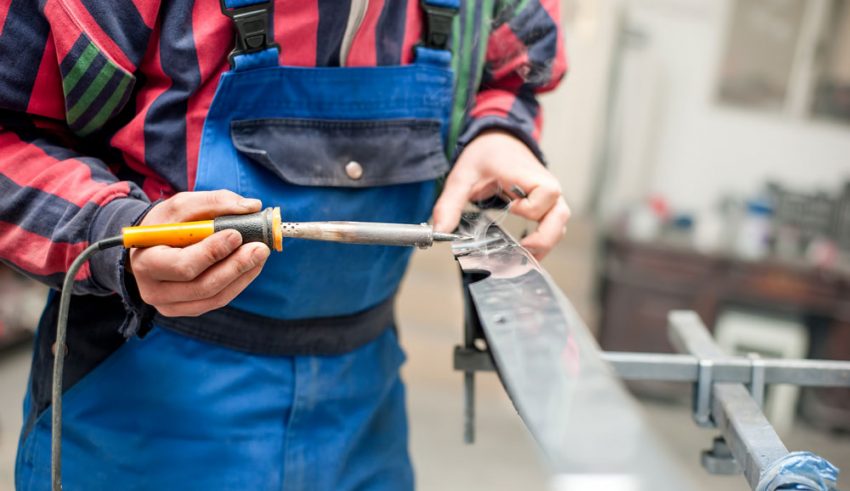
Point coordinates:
[(102, 102)]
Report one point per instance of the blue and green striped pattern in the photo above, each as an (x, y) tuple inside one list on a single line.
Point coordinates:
[(95, 87)]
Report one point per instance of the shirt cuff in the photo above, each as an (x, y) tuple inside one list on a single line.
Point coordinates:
[(108, 268)]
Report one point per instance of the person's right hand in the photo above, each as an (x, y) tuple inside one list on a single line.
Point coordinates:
[(190, 281)]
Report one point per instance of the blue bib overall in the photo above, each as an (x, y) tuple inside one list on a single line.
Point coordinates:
[(208, 412)]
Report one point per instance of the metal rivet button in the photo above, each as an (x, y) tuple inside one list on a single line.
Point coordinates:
[(354, 170)]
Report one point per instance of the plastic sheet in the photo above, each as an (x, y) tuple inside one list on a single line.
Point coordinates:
[(800, 470)]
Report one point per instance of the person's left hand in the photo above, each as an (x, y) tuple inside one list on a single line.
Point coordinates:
[(495, 162)]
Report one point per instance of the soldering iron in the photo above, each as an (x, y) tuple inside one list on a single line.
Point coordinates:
[(265, 226)]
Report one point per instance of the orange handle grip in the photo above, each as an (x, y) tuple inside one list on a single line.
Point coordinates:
[(263, 226), (170, 234)]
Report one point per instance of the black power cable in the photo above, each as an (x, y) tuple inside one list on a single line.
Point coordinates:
[(59, 355)]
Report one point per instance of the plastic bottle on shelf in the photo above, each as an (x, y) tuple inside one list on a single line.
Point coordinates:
[(645, 220), (754, 230)]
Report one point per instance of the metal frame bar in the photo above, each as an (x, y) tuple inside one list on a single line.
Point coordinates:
[(472, 360), (747, 432), (685, 368), (471, 332)]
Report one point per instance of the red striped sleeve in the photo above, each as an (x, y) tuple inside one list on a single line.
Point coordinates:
[(4, 10), (50, 101), (506, 53), (493, 103), (64, 31), (525, 57), (538, 124), (560, 63), (82, 19), (27, 165), (130, 137), (39, 255), (148, 10)]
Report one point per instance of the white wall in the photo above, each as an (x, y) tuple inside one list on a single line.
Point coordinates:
[(701, 149), (573, 114), (672, 136)]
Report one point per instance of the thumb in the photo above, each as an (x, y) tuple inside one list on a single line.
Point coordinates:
[(453, 199)]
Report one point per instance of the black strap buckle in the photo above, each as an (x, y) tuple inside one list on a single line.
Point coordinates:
[(438, 25), (252, 28)]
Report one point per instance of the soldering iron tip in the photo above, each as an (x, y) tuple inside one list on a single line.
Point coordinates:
[(443, 237)]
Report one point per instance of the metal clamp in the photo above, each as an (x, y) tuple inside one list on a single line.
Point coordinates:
[(438, 25), (719, 459), (757, 378), (749, 436), (252, 28), (702, 393)]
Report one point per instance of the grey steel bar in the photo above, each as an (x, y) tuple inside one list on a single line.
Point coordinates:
[(702, 394), (812, 373), (685, 368), (747, 432), (470, 325), (757, 379), (583, 420), (472, 360), (469, 407), (653, 366)]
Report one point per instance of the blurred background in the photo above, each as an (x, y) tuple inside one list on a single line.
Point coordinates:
[(704, 147)]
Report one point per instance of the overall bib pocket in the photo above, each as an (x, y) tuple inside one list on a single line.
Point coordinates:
[(340, 153), (316, 170)]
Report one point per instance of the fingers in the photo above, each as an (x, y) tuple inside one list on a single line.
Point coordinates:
[(213, 281), (507, 164), (551, 229), (203, 276), (456, 193), (541, 198), (201, 205), (224, 297), (164, 263)]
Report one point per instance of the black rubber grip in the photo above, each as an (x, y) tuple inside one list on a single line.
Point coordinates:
[(256, 227)]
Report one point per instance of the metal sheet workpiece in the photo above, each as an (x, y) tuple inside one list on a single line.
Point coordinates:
[(589, 428)]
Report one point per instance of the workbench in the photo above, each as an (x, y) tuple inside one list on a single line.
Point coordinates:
[(642, 282)]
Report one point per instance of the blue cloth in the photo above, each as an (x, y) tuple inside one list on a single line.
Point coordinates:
[(233, 4), (170, 412), (800, 470), (320, 279), (260, 59), (454, 4)]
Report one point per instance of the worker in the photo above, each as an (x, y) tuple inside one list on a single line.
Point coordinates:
[(218, 366)]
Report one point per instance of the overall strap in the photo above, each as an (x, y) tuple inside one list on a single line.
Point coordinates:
[(439, 15), (254, 46)]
